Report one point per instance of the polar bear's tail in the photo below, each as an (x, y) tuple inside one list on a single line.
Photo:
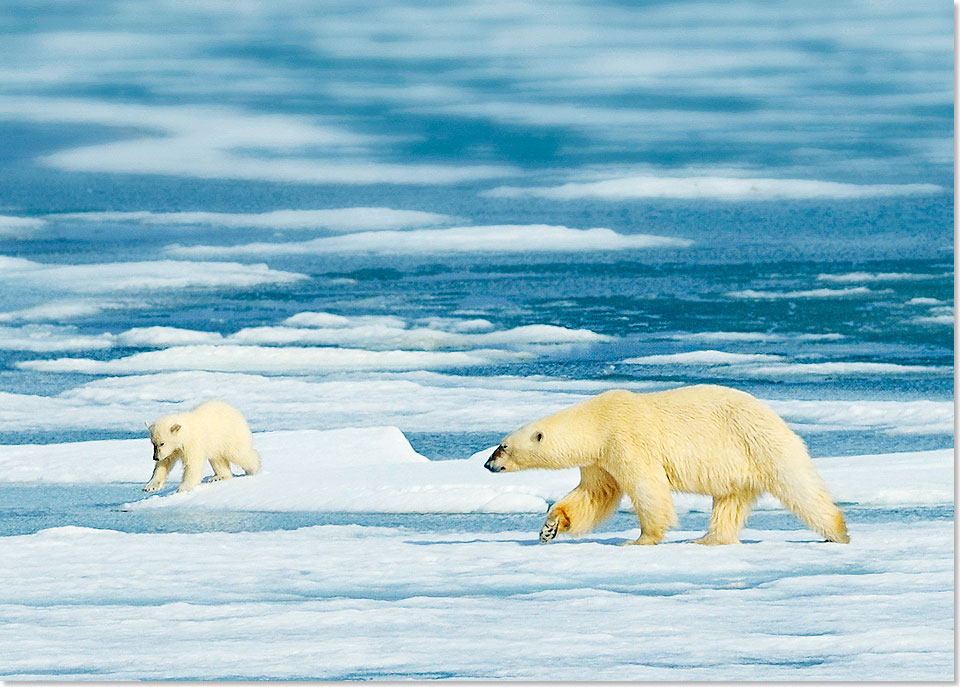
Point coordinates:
[(801, 489)]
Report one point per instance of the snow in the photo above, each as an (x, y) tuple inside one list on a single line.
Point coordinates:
[(374, 469), (712, 187), (471, 239), (349, 602)]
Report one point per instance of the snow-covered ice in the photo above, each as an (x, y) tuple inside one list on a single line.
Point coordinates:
[(374, 469), (717, 188), (451, 241), (349, 602)]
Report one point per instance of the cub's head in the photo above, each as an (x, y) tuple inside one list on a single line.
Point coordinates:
[(167, 437), (528, 447)]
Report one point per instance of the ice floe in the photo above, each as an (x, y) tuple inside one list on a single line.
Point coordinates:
[(479, 239), (374, 469), (715, 188), (120, 277), (337, 219)]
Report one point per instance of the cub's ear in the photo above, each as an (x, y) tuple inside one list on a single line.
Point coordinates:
[(174, 429)]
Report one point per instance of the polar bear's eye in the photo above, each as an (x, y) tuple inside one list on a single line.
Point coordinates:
[(539, 436), (160, 444)]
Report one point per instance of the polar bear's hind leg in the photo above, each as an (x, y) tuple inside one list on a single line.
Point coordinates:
[(729, 514), (221, 469)]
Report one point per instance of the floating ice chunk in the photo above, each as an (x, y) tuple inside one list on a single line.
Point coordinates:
[(378, 337), (810, 293), (481, 239), (715, 188), (18, 227), (709, 357), (45, 337), (759, 337), (59, 310), (837, 368), (160, 337), (289, 360), (338, 219), (139, 276), (881, 276)]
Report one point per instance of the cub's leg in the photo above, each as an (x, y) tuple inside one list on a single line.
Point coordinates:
[(160, 471), (649, 491), (730, 512), (221, 469), (592, 502), (192, 474)]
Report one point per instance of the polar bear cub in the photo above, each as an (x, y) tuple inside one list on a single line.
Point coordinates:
[(213, 431), (702, 439)]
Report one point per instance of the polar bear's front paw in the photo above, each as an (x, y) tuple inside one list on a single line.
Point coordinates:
[(150, 487), (549, 531), (218, 478)]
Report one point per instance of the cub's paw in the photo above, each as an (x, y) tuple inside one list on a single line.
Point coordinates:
[(150, 488), (549, 531)]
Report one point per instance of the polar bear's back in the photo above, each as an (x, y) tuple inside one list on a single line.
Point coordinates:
[(218, 425), (713, 437)]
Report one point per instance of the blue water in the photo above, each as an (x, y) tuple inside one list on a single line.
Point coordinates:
[(856, 94)]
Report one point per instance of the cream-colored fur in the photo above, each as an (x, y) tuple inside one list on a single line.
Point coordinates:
[(213, 431), (702, 439)]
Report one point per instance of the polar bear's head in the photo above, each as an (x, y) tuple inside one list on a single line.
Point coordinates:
[(167, 438), (573, 437), (520, 450)]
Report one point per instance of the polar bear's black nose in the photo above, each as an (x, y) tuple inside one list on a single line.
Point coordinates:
[(491, 463)]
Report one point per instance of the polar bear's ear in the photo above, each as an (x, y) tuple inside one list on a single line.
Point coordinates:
[(174, 429)]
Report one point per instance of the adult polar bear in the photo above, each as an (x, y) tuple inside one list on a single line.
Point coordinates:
[(702, 439), (213, 431)]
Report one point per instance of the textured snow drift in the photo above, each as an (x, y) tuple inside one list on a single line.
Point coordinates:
[(374, 469), (342, 602)]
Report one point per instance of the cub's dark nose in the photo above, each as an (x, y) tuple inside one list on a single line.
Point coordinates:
[(491, 463)]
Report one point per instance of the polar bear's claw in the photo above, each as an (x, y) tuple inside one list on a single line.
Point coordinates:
[(150, 488), (549, 531)]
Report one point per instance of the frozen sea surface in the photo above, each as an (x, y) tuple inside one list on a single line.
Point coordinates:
[(390, 233), (356, 602)]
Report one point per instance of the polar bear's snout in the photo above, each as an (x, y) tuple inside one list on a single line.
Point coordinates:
[(492, 465)]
